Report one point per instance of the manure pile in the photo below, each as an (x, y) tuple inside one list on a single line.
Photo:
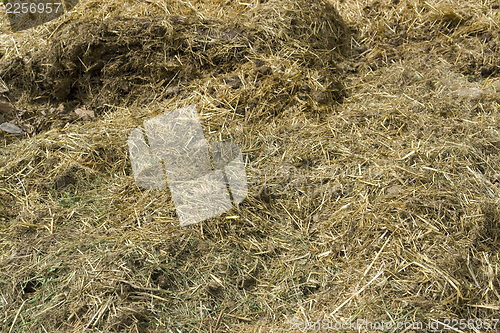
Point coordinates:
[(370, 136), (122, 61)]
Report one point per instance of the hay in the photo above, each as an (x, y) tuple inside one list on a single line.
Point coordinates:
[(124, 61), (371, 151)]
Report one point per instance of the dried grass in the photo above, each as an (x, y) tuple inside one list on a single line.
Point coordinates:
[(382, 205)]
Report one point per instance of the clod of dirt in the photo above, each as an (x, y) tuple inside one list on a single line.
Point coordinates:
[(321, 97), (230, 305), (247, 282), (55, 117), (265, 70), (203, 247), (130, 315), (67, 178), (310, 287), (259, 62), (222, 267), (487, 71), (360, 49), (123, 321), (252, 104), (64, 181), (213, 288), (234, 83), (265, 195), (6, 108), (163, 282), (62, 89)]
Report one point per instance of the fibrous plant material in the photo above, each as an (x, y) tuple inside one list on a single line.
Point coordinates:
[(379, 206)]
